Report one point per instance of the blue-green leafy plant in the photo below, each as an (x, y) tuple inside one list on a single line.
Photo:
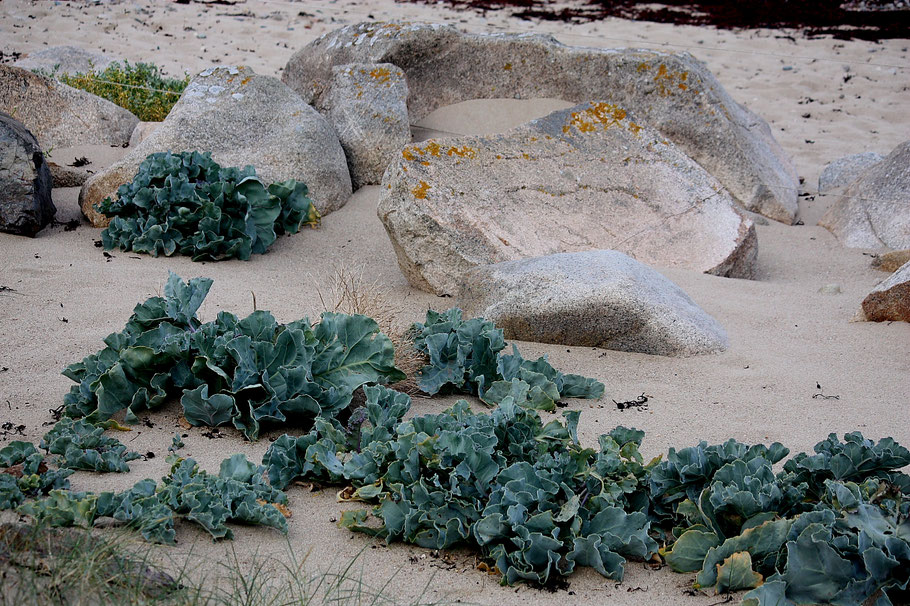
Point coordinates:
[(831, 528), (238, 493), (84, 446), (24, 473), (525, 492), (465, 355), (187, 203), (243, 372)]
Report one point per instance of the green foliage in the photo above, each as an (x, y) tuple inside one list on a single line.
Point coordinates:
[(24, 473), (239, 493), (244, 372), (187, 203), (525, 492), (140, 88), (84, 446), (831, 528), (464, 355)]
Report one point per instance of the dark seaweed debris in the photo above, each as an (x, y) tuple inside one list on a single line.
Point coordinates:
[(867, 20)]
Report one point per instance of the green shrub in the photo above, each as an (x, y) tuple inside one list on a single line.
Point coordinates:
[(140, 88), (188, 203)]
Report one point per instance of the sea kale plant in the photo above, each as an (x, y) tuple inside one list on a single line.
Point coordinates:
[(524, 491), (238, 493), (830, 528), (465, 355), (229, 371), (187, 203)]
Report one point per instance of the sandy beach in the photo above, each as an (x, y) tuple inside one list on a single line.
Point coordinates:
[(789, 341)]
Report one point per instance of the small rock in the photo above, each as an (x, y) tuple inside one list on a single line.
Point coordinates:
[(59, 115), (891, 261), (591, 299), (890, 300), (25, 181), (368, 106), (874, 210), (844, 171), (830, 289), (65, 60)]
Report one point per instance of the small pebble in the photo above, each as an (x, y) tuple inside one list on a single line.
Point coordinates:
[(830, 289)]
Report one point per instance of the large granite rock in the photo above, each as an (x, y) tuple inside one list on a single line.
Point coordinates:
[(25, 181), (598, 298), (584, 178), (59, 115), (241, 118), (65, 60), (874, 211), (672, 92), (890, 300), (368, 106), (844, 171)]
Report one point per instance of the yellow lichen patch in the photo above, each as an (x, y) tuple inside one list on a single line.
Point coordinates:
[(643, 66), (246, 81), (507, 66), (525, 156), (407, 154), (599, 114), (426, 162), (420, 192), (682, 86), (382, 74), (634, 128), (462, 152)]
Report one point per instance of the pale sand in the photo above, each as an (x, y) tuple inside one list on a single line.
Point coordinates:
[(785, 336)]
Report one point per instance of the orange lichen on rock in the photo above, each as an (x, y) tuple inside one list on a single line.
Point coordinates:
[(382, 74), (462, 152), (599, 114), (666, 79), (420, 192), (507, 66)]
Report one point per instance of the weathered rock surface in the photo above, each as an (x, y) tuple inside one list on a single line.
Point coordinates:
[(25, 181), (672, 92), (368, 106), (585, 178), (59, 115), (599, 298), (142, 130), (874, 211), (241, 118), (844, 171), (891, 261), (65, 60), (890, 300)]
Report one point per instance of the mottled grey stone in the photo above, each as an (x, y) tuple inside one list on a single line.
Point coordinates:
[(874, 210), (890, 300), (672, 92), (59, 115), (368, 106), (142, 130), (844, 171), (25, 181), (597, 298), (585, 178), (65, 60), (241, 118)]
